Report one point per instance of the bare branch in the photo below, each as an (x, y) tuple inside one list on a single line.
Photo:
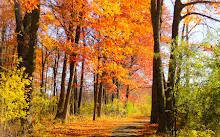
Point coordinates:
[(200, 2), (5, 68), (194, 13)]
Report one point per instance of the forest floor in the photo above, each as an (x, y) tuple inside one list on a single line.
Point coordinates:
[(106, 126)]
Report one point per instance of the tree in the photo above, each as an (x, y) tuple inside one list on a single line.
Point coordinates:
[(158, 108), (26, 29), (70, 24), (178, 8)]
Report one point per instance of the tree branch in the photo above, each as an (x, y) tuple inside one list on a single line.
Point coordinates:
[(200, 2), (194, 13), (5, 68)]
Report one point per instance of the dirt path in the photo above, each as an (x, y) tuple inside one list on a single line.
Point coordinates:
[(131, 130), (102, 127)]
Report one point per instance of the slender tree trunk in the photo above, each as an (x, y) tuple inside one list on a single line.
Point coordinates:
[(118, 84), (42, 71), (96, 80), (94, 86), (81, 87), (75, 93), (100, 97), (46, 75), (96, 83), (72, 101), (105, 95), (172, 65), (56, 63), (73, 98), (100, 100), (113, 96), (62, 93), (53, 86), (127, 95)]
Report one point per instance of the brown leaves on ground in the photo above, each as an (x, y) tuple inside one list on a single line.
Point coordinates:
[(88, 127)]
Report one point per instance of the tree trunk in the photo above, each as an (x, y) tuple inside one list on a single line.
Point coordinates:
[(105, 95), (100, 100), (46, 75), (73, 97), (118, 84), (42, 72), (172, 65), (95, 94), (127, 95), (69, 89), (75, 93), (158, 108), (26, 30), (72, 104), (62, 93), (72, 73), (56, 64), (113, 96), (81, 87)]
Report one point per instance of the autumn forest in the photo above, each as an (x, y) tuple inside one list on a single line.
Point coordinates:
[(110, 68)]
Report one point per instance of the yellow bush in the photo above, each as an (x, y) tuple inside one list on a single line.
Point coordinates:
[(12, 95)]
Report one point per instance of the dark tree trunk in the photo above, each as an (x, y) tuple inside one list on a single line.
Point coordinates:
[(56, 64), (94, 86), (172, 65), (75, 93), (96, 80), (158, 108), (100, 97), (42, 71), (62, 93), (96, 83), (118, 84), (73, 98), (105, 95), (81, 87), (72, 74), (72, 103), (70, 85), (26, 30), (99, 110), (113, 96), (127, 95)]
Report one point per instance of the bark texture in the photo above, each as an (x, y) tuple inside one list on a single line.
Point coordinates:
[(26, 29), (158, 108)]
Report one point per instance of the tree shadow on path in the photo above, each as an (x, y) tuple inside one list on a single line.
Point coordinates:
[(141, 128)]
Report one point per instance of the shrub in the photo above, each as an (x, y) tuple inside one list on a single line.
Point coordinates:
[(13, 99), (195, 133)]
